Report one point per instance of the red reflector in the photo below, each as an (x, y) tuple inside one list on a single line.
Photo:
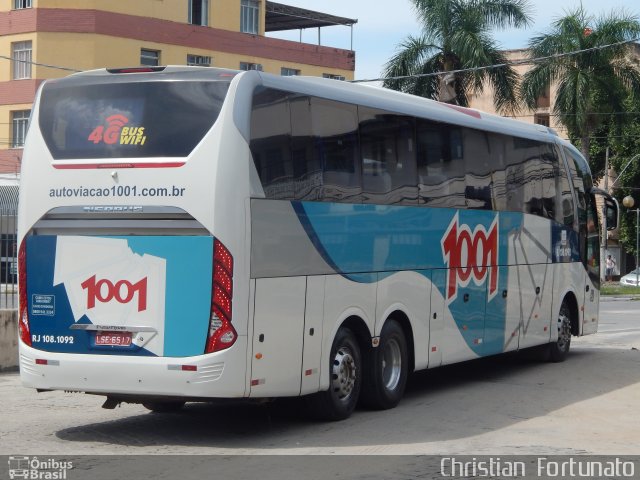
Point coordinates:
[(189, 368), (135, 70), (41, 361), (115, 165), (23, 320)]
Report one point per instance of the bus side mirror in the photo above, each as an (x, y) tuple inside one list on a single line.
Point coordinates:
[(611, 208), (611, 212)]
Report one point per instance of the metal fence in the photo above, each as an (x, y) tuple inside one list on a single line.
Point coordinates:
[(8, 262), (8, 247)]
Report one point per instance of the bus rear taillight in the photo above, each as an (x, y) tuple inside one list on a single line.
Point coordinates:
[(221, 333), (23, 320)]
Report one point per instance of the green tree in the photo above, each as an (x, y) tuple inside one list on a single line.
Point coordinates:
[(457, 35), (591, 84), (625, 144)]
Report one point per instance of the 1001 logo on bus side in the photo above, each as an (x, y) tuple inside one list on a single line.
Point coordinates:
[(470, 255)]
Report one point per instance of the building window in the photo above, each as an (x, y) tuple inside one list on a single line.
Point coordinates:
[(544, 100), (541, 119), (20, 4), (149, 58), (332, 76), (199, 12), (19, 124), (198, 60), (21, 53), (250, 66), (249, 16), (289, 72)]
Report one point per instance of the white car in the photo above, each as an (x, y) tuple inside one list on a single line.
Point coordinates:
[(630, 278)]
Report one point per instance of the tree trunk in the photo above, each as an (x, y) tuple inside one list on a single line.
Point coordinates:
[(447, 84), (585, 145)]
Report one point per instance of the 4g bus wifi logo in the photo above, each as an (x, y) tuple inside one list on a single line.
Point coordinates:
[(116, 132), (470, 255), (123, 292)]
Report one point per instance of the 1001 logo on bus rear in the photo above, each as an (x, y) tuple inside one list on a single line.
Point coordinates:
[(470, 255), (122, 291)]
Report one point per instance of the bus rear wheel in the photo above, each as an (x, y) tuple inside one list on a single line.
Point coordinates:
[(387, 369), (345, 370), (163, 407), (559, 349)]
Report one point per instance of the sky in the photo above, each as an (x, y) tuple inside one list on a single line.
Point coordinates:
[(383, 25)]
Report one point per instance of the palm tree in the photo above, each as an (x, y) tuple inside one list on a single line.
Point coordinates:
[(456, 35), (591, 84)]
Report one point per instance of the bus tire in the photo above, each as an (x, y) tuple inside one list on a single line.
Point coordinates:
[(387, 370), (345, 370), (559, 349), (163, 407)]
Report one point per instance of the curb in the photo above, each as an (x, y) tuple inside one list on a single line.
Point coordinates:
[(619, 298)]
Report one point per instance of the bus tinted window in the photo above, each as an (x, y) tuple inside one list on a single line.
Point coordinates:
[(388, 158), (127, 120), (335, 136), (271, 144), (479, 165), (439, 151), (309, 148), (587, 215), (564, 198), (306, 162)]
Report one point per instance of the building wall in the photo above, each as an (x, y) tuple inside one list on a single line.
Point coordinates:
[(89, 34), (224, 14), (484, 100), (8, 340)]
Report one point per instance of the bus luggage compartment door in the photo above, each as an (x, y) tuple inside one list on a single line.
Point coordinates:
[(278, 328)]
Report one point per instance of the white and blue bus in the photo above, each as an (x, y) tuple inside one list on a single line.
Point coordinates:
[(191, 233)]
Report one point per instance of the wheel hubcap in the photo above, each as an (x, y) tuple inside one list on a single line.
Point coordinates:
[(343, 373), (564, 331), (391, 364)]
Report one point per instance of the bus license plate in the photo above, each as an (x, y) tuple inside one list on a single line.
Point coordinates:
[(119, 339)]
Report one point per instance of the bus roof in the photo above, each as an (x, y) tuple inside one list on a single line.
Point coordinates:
[(366, 95), (404, 103)]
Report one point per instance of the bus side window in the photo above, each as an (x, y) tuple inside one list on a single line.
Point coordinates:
[(441, 169), (478, 168), (497, 153), (271, 143), (533, 174), (335, 135), (579, 187), (388, 158), (564, 198), (306, 162)]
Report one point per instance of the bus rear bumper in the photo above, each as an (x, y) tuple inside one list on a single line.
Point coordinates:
[(217, 375)]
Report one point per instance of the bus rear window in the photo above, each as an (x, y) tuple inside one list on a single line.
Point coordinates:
[(128, 120)]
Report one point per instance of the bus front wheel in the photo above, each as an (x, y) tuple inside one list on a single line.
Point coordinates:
[(559, 349), (345, 370), (387, 369)]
